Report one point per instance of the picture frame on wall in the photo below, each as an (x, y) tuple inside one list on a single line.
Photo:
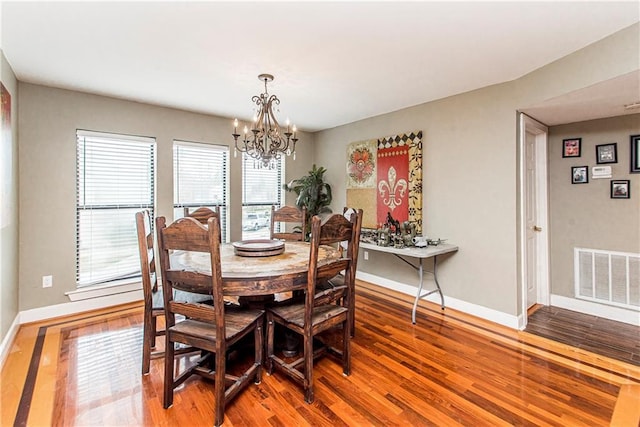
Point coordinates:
[(571, 147), (620, 189), (580, 174), (635, 154), (607, 153)]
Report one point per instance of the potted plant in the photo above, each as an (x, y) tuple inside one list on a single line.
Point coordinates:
[(312, 193)]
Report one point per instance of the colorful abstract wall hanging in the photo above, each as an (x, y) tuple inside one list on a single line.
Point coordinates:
[(384, 176)]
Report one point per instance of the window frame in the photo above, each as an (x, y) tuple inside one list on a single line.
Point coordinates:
[(223, 206), (85, 138)]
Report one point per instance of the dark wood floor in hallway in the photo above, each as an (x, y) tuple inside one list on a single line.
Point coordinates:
[(609, 338), (448, 369)]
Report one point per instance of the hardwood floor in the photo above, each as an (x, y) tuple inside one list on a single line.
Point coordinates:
[(448, 369), (617, 340)]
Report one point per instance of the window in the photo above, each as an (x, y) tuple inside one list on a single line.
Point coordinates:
[(261, 188), (200, 179), (115, 178)]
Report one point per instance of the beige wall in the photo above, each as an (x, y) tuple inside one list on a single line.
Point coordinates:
[(470, 166), (469, 189), (584, 215), (9, 207), (48, 122)]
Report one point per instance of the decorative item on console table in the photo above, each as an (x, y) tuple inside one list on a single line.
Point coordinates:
[(392, 233), (369, 235)]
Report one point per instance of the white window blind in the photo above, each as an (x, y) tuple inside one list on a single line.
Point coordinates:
[(200, 177), (261, 188), (115, 178)]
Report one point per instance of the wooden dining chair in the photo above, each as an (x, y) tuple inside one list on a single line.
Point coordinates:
[(287, 215), (317, 314), (152, 293), (212, 329)]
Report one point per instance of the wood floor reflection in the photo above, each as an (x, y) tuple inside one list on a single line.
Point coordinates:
[(609, 338), (449, 369)]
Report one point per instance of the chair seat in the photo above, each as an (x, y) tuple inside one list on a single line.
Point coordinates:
[(294, 313), (235, 322)]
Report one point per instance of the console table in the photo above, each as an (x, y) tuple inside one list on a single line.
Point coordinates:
[(421, 254)]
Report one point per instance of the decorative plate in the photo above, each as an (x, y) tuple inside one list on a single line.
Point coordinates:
[(258, 248)]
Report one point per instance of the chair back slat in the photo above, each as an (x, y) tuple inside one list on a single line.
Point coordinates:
[(195, 311)]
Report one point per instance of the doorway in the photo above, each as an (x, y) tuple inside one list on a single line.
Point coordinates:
[(534, 237)]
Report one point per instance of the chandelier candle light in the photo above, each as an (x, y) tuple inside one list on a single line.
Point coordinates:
[(268, 142)]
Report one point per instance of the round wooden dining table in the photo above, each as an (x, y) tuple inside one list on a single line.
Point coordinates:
[(246, 276)]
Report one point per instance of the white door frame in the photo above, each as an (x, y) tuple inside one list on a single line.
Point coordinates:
[(527, 124)]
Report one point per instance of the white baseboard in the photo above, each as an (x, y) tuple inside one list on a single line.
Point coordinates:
[(74, 307), (495, 316), (601, 310), (7, 341)]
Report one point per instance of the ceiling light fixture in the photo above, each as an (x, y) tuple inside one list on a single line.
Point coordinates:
[(268, 142)]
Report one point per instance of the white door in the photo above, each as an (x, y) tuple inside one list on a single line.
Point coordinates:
[(535, 262), (532, 229)]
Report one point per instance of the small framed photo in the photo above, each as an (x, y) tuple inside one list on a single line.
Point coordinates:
[(571, 147), (607, 153), (635, 154), (580, 174), (620, 189)]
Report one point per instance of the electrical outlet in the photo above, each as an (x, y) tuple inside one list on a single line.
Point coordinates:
[(366, 255), (47, 281)]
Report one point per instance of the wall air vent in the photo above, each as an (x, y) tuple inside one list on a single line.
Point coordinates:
[(607, 277)]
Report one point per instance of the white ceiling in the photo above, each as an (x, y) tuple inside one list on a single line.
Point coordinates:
[(334, 63)]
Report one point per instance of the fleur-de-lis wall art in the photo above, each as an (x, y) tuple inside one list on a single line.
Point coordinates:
[(392, 191)]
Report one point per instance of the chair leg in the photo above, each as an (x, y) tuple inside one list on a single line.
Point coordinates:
[(148, 335), (154, 330), (258, 341), (346, 347), (352, 318), (220, 387), (308, 369), (168, 372), (352, 311), (270, 335)]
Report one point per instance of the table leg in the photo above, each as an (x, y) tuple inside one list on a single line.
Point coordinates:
[(419, 295), (415, 303), (435, 278)]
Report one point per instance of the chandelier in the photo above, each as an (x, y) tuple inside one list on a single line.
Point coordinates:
[(265, 142)]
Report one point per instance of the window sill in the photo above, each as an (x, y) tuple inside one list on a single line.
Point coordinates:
[(98, 291)]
